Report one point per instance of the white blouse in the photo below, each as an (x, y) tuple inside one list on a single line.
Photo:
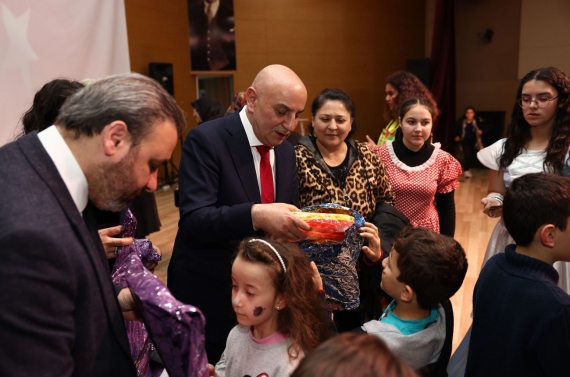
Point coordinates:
[(525, 163)]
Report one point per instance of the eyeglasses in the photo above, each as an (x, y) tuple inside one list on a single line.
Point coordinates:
[(540, 102)]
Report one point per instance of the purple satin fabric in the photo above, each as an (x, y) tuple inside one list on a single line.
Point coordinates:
[(176, 329)]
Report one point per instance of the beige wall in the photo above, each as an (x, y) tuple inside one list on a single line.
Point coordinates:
[(329, 43), (545, 35), (487, 72)]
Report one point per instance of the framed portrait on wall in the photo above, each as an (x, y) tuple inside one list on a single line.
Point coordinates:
[(212, 35)]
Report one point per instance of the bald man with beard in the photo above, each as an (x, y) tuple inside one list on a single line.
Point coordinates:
[(220, 181)]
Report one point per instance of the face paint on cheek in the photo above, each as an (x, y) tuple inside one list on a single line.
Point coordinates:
[(234, 302), (257, 311)]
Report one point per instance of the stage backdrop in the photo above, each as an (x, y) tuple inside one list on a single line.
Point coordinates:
[(43, 40)]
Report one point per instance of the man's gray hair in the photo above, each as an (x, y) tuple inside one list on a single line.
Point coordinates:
[(137, 100)]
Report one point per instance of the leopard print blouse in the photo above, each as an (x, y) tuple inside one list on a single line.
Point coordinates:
[(366, 181)]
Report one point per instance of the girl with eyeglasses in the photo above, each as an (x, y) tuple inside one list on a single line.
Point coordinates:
[(538, 141)]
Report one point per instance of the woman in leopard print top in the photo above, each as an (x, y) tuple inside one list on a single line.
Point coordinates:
[(332, 168)]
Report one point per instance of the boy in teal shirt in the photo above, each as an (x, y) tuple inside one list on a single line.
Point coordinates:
[(424, 269)]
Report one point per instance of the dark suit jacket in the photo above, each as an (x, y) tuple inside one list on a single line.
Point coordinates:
[(59, 315), (218, 186)]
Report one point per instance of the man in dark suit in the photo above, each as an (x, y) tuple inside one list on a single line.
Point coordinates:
[(221, 190), (212, 35), (59, 312)]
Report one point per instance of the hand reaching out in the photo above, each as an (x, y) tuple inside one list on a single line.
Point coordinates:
[(212, 371), (278, 220), (373, 251), (371, 144), (110, 243), (492, 207), (334, 306), (317, 277), (127, 304), (152, 265)]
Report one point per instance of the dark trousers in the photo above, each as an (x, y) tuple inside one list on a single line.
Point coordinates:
[(347, 320), (469, 154)]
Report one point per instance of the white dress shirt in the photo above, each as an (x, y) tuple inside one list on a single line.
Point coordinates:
[(66, 165), (253, 142)]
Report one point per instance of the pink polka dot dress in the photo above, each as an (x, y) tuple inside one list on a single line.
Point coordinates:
[(415, 187)]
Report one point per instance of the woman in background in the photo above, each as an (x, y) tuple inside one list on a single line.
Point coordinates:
[(47, 102), (400, 87), (237, 104), (468, 132), (206, 109)]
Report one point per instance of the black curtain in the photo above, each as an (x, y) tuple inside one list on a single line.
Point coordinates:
[(442, 67)]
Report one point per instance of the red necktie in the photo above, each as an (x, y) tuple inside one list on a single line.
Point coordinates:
[(265, 175)]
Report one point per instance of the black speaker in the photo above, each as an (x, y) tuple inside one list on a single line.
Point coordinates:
[(163, 73), (420, 68), (486, 36)]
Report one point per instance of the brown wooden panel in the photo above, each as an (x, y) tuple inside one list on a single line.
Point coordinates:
[(329, 43), (158, 32)]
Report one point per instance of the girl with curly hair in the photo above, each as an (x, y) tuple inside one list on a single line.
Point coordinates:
[(538, 141), (400, 87), (280, 314)]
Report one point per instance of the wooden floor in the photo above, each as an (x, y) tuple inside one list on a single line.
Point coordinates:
[(472, 231)]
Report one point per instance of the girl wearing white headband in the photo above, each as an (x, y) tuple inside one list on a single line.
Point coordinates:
[(280, 314)]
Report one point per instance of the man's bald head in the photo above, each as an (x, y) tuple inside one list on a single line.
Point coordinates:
[(275, 100), (277, 75)]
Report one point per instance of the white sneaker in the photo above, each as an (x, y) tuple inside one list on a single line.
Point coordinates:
[(467, 174)]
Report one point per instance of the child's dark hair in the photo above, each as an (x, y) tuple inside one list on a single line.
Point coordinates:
[(408, 86), (432, 264), (304, 316), (518, 131), (406, 106), (352, 354), (47, 102), (335, 95), (534, 200)]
